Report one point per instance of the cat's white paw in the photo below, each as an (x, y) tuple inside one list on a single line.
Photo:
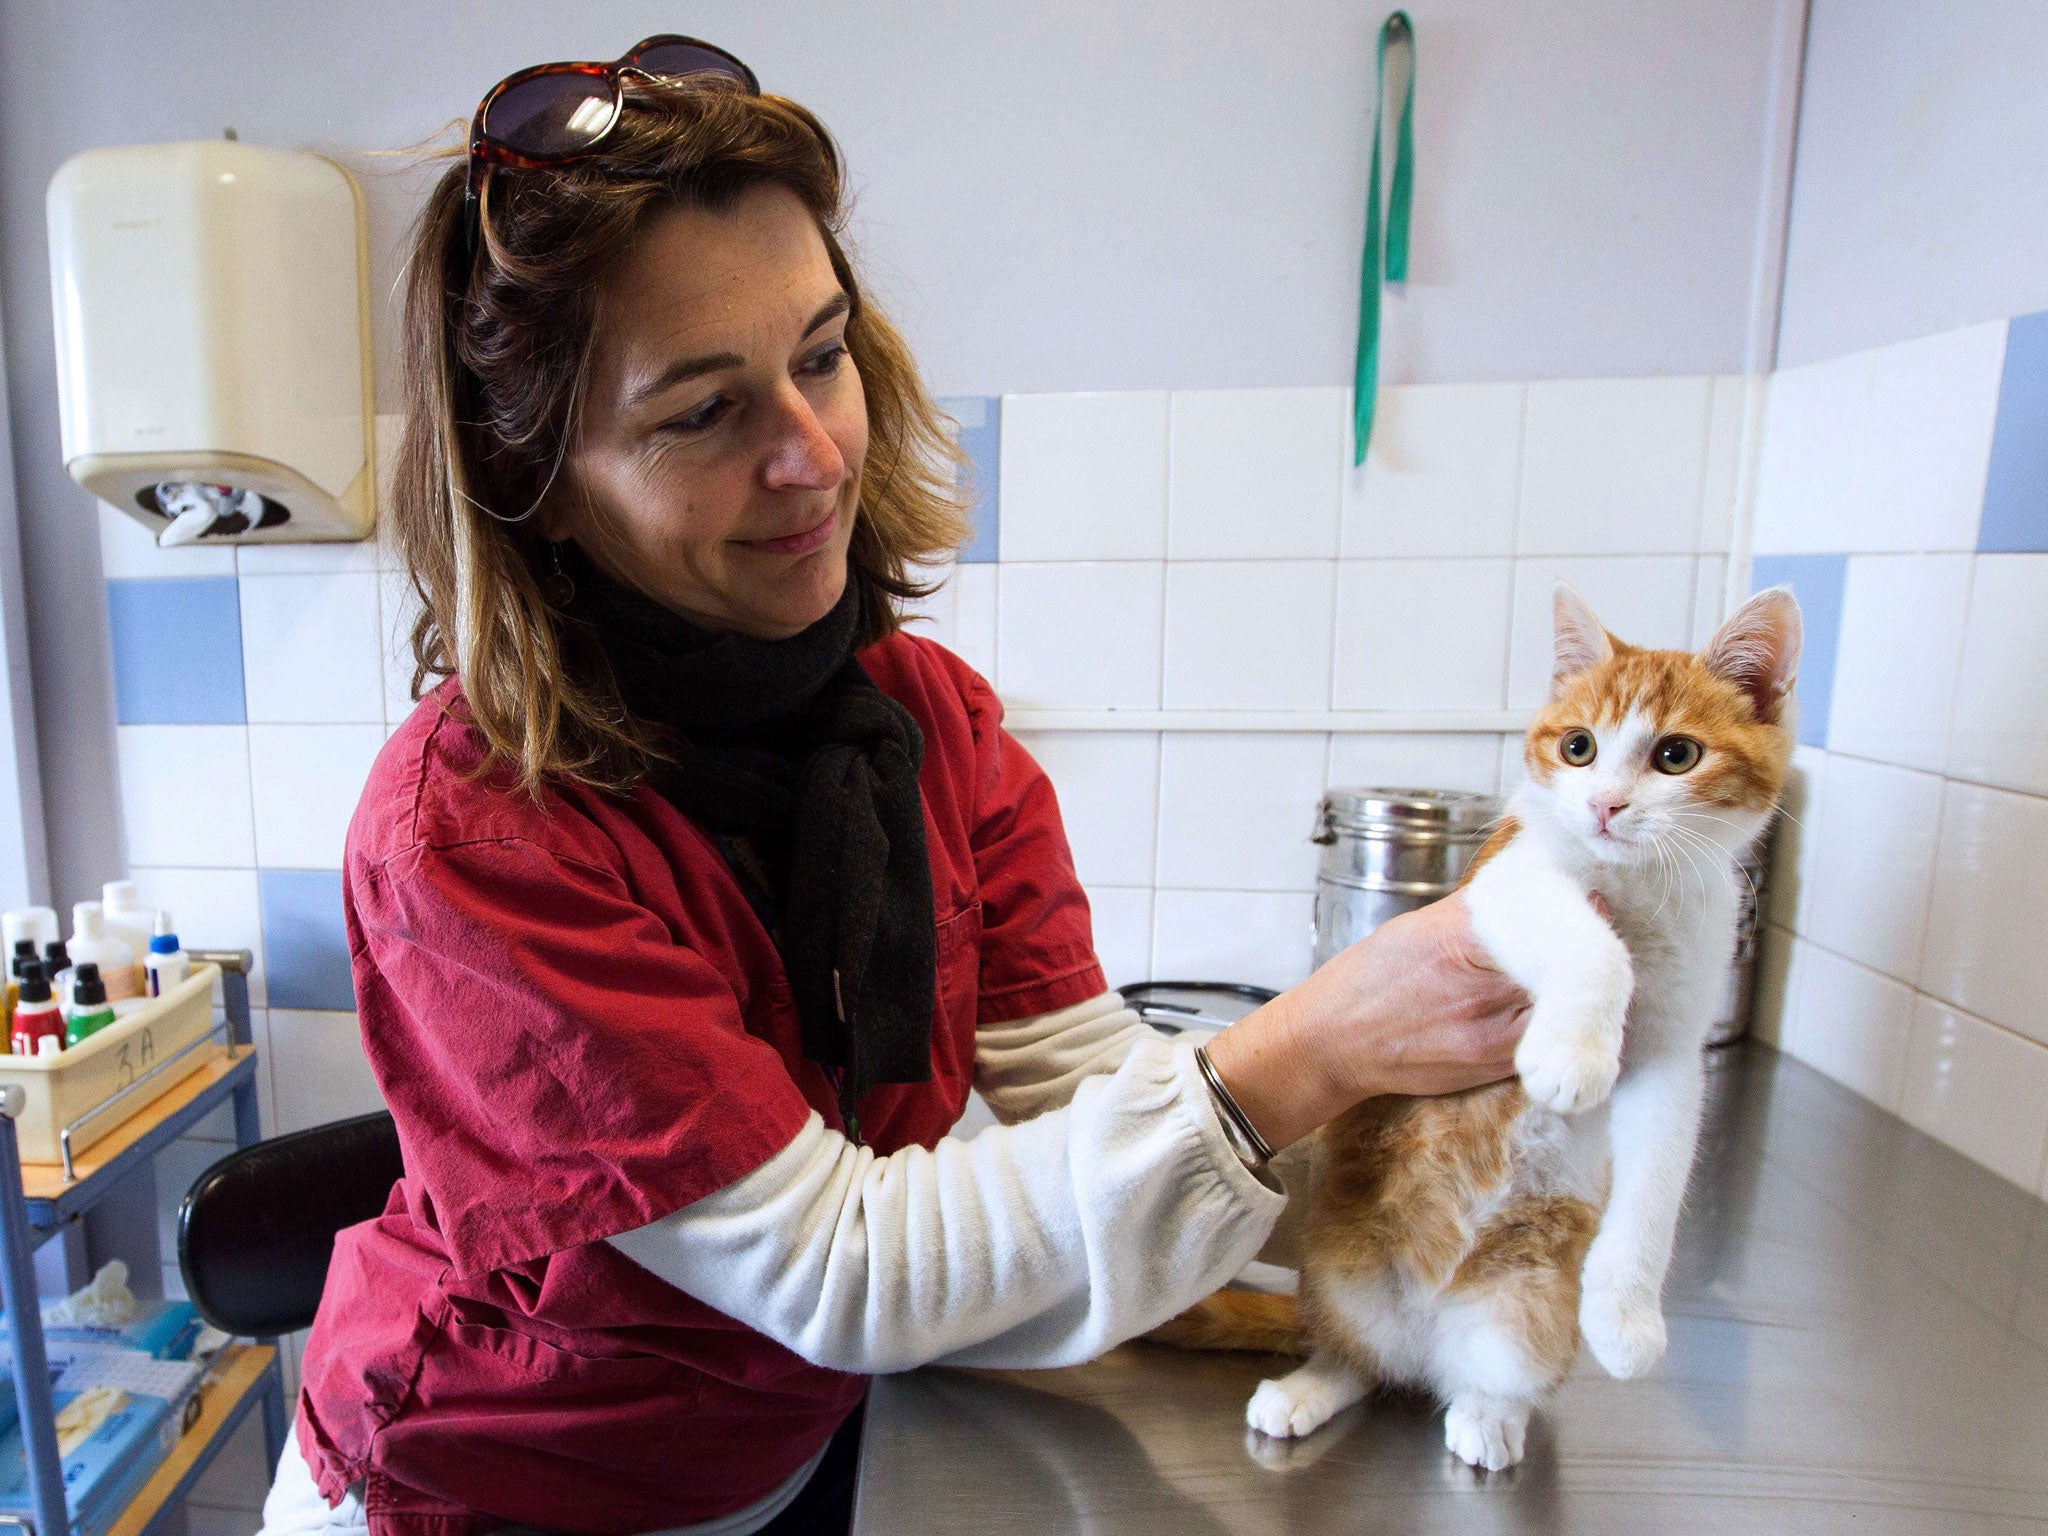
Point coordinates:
[(1486, 1432), (1284, 1409), (1567, 1071), (1623, 1328)]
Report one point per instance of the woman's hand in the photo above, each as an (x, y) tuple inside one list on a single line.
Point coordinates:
[(1415, 1007)]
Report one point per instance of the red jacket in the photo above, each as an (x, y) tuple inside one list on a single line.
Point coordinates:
[(580, 1027)]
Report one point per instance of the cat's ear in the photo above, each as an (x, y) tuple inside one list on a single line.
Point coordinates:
[(1758, 651), (1581, 644)]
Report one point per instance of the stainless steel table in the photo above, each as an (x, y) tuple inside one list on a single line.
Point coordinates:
[(1859, 1343)]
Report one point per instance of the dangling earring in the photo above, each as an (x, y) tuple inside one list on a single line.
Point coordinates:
[(558, 589)]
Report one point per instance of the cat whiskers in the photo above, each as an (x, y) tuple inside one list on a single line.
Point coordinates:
[(1668, 850), (1720, 854), (1667, 868), (1699, 815), (1690, 840)]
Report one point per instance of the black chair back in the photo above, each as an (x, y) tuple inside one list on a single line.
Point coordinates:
[(257, 1229)]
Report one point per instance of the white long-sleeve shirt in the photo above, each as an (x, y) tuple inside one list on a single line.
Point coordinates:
[(1108, 1201)]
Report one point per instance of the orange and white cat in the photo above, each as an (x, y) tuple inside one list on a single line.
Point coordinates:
[(1464, 1244)]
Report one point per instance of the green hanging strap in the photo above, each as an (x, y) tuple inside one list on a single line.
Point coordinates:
[(1391, 256)]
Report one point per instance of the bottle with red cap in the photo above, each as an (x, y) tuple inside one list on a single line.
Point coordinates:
[(37, 1017)]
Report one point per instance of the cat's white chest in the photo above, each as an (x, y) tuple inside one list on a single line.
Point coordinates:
[(1531, 907), (1679, 934)]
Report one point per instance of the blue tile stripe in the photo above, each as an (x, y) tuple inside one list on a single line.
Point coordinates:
[(177, 650), (305, 940), (981, 439), (2016, 488), (1817, 581)]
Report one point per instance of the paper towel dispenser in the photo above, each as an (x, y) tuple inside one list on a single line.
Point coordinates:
[(213, 340)]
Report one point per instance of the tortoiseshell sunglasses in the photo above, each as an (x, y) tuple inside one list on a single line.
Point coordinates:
[(554, 113)]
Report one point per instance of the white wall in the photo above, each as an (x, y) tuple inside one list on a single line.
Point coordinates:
[(1904, 487), (1274, 622), (1923, 151), (1060, 195)]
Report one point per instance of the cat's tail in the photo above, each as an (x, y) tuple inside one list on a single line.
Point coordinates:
[(1237, 1320)]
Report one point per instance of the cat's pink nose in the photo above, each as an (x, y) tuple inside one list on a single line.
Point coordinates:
[(1605, 811)]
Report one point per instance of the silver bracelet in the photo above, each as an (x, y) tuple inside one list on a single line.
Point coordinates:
[(1234, 1118)]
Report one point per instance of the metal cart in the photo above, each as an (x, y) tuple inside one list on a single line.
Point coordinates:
[(37, 1201)]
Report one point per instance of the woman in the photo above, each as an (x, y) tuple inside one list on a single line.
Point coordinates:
[(688, 906)]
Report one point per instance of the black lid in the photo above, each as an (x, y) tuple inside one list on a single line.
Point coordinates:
[(56, 956), (25, 947), (35, 982), (24, 954), (86, 986)]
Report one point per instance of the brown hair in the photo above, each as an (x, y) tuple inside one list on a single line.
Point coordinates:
[(495, 363)]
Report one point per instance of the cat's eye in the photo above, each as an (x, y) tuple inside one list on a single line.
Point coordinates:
[(1577, 748), (1676, 754)]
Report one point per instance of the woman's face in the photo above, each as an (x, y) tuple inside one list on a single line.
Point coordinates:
[(717, 464)]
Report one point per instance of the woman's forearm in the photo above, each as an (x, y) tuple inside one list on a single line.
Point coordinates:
[(1037, 1244), (1280, 1073), (1415, 1007)]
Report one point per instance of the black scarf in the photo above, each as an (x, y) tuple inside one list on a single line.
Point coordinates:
[(807, 774)]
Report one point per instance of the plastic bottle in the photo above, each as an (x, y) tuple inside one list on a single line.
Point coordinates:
[(57, 967), (90, 940), (129, 921), (90, 1011), (165, 963), (38, 923), (37, 1016)]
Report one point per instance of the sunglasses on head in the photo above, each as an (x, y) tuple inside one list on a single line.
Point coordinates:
[(553, 113)]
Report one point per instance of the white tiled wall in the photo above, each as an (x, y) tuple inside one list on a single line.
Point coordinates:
[(1215, 551), (204, 807), (1882, 451), (1910, 904), (2000, 731), (1895, 681), (1193, 551)]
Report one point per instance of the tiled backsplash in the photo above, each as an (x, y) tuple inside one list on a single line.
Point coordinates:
[(1240, 619), (1209, 552), (1200, 616), (1903, 493), (251, 696)]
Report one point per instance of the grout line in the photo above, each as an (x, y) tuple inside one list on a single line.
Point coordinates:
[(1521, 465), (1861, 965), (995, 655), (1692, 601), (1507, 661), (1948, 739), (1918, 992), (1166, 518), (1165, 628), (1927, 773), (1158, 807), (1385, 559), (1336, 633), (1399, 560), (1305, 892), (1699, 500), (1020, 716)]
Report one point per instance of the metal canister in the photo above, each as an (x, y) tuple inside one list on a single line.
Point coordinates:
[(1388, 851)]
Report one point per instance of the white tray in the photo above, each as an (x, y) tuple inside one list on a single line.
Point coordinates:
[(63, 1087)]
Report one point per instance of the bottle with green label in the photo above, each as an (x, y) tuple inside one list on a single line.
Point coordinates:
[(90, 1011)]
